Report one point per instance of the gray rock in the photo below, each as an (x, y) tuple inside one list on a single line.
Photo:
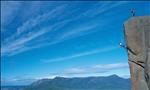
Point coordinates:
[(137, 34)]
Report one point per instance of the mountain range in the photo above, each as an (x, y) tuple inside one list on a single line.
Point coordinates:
[(112, 82)]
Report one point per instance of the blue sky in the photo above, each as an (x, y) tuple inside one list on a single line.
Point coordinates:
[(71, 39)]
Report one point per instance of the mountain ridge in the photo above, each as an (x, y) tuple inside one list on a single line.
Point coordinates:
[(112, 82), (79, 83)]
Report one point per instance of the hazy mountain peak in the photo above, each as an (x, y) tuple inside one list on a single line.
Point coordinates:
[(59, 77), (114, 75)]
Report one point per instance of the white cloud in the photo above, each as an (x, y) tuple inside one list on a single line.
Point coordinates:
[(102, 7), (18, 45), (20, 41), (111, 66), (78, 31), (95, 51), (100, 68), (28, 25), (8, 11), (17, 42), (94, 69)]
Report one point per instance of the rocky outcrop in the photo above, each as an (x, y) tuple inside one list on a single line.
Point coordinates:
[(137, 34)]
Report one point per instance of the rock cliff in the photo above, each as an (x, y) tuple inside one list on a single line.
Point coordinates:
[(137, 35)]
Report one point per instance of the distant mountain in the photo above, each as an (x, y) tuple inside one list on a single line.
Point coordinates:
[(112, 82)]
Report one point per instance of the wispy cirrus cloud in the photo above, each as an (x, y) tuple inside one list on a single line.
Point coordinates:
[(18, 45), (103, 7), (91, 52), (25, 33), (93, 69), (8, 9), (50, 22), (31, 23), (100, 68)]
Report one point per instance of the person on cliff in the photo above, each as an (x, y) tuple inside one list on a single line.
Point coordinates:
[(133, 12)]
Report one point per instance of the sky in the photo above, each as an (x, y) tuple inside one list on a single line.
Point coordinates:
[(45, 39)]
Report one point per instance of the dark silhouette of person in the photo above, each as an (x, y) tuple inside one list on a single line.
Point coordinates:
[(133, 12)]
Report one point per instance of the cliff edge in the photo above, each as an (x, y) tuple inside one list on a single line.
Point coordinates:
[(137, 35)]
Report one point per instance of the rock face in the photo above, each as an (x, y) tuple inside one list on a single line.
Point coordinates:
[(137, 34)]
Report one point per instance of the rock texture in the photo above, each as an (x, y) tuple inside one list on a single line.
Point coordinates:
[(137, 34)]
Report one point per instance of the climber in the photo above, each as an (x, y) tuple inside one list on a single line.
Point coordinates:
[(121, 45), (133, 12)]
